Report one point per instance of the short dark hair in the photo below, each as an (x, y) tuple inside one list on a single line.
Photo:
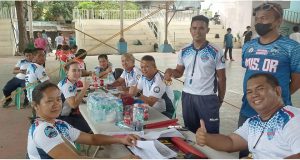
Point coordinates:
[(200, 18), (35, 50), (59, 33), (270, 79), (81, 54), (148, 58), (65, 47), (69, 63), (103, 56), (37, 93), (27, 50), (296, 29), (248, 27), (74, 46), (228, 29), (59, 47)]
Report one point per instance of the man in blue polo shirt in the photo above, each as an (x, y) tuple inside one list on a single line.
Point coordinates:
[(270, 53)]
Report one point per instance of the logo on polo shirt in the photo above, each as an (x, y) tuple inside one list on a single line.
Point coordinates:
[(138, 76), (204, 57), (222, 59), (50, 132), (251, 50), (156, 89)]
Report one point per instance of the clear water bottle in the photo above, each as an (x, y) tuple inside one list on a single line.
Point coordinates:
[(110, 78), (138, 118), (119, 110)]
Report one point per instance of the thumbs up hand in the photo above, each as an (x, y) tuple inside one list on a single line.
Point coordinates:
[(201, 134)]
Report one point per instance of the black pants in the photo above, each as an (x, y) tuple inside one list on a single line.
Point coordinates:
[(12, 85), (230, 52), (196, 107), (242, 119)]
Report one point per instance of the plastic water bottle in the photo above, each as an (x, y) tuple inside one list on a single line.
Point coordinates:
[(110, 78), (138, 118), (119, 110)]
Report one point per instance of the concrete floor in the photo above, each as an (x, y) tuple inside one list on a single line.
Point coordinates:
[(14, 123)]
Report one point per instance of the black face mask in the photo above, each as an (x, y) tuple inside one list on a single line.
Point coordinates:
[(263, 29)]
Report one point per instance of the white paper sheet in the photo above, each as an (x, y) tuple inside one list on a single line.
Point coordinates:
[(165, 133), (152, 150)]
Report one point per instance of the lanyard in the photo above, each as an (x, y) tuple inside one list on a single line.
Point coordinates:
[(197, 51)]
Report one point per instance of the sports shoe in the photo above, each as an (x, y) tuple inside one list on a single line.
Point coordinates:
[(6, 103)]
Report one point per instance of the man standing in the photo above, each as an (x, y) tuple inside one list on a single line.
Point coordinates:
[(204, 67), (270, 53), (247, 34), (296, 35), (228, 43), (273, 134), (59, 39)]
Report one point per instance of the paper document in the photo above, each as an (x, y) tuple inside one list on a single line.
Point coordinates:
[(165, 133), (152, 150), (139, 133)]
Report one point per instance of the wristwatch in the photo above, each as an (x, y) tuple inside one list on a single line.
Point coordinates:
[(138, 94)]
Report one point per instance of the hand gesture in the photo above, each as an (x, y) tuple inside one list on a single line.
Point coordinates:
[(85, 83), (130, 140), (168, 74), (109, 69), (201, 134)]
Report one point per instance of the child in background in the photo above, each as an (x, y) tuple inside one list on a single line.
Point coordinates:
[(58, 51), (64, 53), (19, 79), (80, 56)]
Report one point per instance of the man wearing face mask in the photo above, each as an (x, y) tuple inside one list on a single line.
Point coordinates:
[(270, 53)]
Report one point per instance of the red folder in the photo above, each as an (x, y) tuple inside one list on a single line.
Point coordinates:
[(187, 148), (161, 124)]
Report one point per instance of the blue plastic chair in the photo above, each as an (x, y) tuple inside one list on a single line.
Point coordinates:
[(177, 96)]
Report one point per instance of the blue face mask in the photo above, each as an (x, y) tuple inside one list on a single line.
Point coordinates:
[(263, 29)]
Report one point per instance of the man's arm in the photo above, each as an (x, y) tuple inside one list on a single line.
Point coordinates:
[(17, 70), (295, 82), (175, 73), (294, 156), (148, 100), (231, 143), (119, 82), (221, 74)]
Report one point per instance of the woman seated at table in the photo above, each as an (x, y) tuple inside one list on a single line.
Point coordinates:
[(130, 75), (49, 137), (72, 99), (80, 56)]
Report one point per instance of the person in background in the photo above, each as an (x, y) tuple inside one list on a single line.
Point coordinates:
[(50, 138), (247, 34), (270, 53), (59, 39), (296, 35), (40, 42), (58, 52), (272, 134), (73, 50), (104, 68), (35, 73), (228, 43), (19, 79), (72, 40), (130, 76), (80, 56), (65, 53)]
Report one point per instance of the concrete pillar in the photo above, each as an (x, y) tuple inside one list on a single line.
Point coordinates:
[(166, 47), (122, 44)]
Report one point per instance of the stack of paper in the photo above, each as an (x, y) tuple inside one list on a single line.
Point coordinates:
[(152, 150)]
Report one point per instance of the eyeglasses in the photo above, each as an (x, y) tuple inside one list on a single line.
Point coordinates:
[(267, 7)]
